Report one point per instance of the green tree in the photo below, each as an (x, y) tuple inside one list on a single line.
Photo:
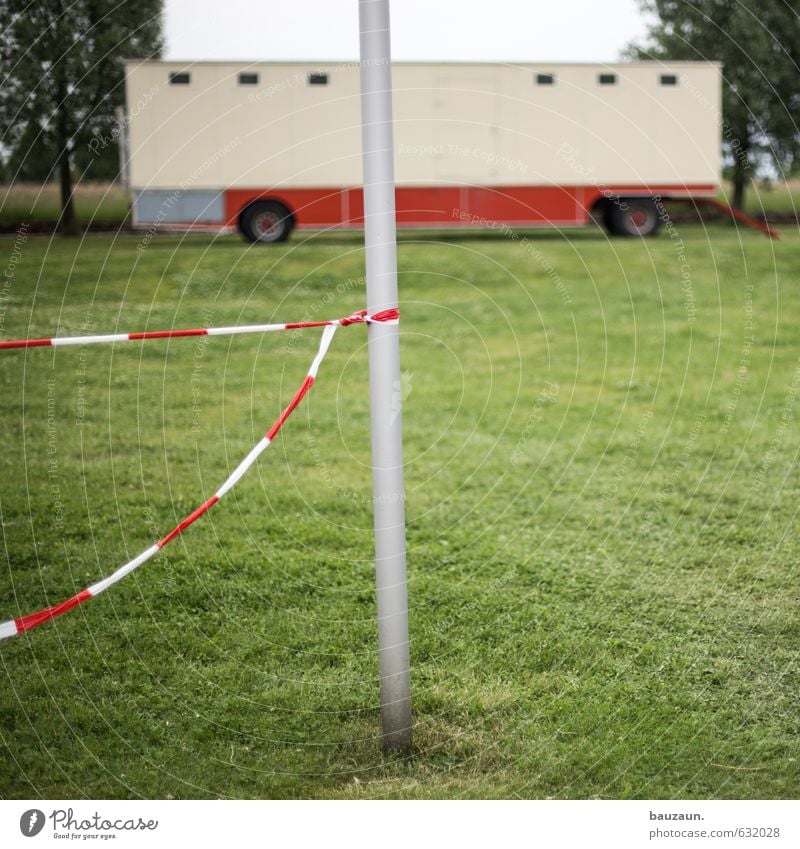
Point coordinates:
[(61, 78), (758, 43)]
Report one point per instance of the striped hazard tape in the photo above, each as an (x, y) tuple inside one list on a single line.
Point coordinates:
[(391, 316)]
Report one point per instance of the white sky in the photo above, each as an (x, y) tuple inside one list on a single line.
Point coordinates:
[(446, 30)]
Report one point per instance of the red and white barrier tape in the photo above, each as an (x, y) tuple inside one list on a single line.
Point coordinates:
[(390, 316), (25, 623)]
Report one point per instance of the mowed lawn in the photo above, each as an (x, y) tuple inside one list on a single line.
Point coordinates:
[(602, 494)]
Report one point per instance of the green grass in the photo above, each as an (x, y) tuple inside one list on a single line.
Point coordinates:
[(602, 493)]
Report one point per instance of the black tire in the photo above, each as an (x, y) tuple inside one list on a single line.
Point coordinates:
[(266, 222), (632, 217)]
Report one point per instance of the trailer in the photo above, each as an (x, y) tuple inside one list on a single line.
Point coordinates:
[(267, 147)]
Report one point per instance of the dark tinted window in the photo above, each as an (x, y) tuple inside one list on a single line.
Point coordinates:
[(180, 78), (318, 79), (248, 79), (607, 79), (545, 79), (669, 79)]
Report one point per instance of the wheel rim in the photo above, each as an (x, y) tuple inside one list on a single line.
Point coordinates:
[(640, 220), (267, 226)]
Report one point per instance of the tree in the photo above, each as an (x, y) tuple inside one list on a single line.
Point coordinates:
[(758, 43), (61, 78)]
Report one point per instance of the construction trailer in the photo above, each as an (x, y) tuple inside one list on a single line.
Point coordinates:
[(269, 146)]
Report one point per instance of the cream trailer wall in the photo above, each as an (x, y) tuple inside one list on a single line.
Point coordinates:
[(278, 127)]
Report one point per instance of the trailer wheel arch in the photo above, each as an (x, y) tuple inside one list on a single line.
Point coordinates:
[(599, 212), (266, 221)]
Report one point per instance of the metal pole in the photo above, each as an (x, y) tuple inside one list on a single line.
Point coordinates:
[(384, 374)]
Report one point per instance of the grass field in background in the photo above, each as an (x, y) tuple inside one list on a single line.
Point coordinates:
[(26, 202), (108, 201), (602, 492), (765, 197)]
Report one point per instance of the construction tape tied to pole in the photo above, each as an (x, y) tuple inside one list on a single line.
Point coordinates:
[(391, 316)]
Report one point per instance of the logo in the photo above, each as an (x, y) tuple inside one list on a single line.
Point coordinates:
[(31, 822), (401, 389)]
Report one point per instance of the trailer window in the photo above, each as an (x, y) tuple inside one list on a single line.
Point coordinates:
[(318, 79), (607, 79), (669, 79), (545, 79), (180, 78), (248, 79)]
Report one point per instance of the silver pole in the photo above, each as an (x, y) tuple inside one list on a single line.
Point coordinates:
[(384, 374)]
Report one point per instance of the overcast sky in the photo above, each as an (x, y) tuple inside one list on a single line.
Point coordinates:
[(447, 30)]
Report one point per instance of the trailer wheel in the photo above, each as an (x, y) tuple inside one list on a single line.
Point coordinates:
[(266, 222), (632, 217)]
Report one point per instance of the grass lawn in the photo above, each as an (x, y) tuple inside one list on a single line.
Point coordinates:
[(602, 496)]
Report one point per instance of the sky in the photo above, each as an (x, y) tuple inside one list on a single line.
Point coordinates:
[(436, 30)]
